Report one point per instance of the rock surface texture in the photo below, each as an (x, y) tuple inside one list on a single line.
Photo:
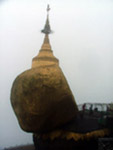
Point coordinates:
[(41, 97)]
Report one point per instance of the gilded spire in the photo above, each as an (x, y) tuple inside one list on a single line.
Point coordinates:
[(47, 29), (45, 56), (46, 45)]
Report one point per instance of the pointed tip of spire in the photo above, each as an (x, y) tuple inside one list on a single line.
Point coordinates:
[(47, 29), (48, 8)]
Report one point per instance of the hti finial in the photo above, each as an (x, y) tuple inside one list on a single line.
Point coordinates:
[(47, 29), (48, 8)]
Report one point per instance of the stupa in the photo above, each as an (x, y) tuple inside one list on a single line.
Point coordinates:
[(41, 97)]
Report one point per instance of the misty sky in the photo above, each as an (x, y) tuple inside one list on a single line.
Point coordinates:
[(82, 41)]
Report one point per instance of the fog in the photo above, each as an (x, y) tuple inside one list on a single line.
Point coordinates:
[(82, 41)]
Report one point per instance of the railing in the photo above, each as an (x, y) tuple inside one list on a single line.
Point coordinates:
[(99, 106)]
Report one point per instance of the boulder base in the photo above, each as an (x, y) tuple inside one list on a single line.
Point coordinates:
[(42, 99)]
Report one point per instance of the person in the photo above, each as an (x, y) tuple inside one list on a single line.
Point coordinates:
[(96, 109), (83, 110), (84, 107), (91, 110)]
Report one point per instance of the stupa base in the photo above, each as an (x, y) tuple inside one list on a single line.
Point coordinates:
[(64, 144), (80, 134), (105, 143)]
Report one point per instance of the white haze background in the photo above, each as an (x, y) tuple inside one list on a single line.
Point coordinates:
[(82, 41)]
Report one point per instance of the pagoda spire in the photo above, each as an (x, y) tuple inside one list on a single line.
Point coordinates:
[(47, 28), (45, 56)]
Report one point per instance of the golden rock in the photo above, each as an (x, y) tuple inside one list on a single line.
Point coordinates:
[(41, 97)]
